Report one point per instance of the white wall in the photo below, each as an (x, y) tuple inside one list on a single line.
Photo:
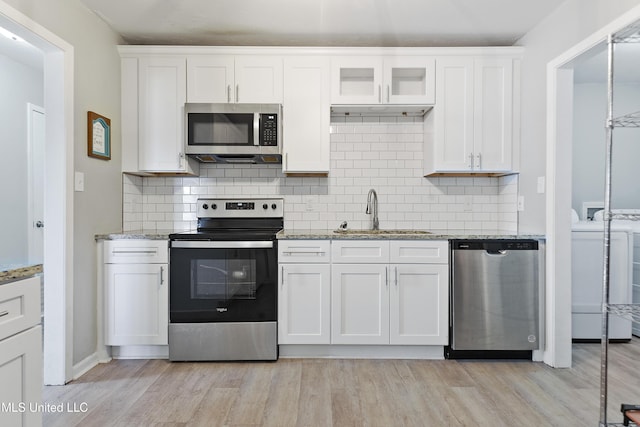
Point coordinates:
[(19, 84), (572, 22), (590, 109), (384, 153), (97, 88)]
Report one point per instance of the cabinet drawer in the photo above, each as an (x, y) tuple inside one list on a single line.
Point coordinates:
[(19, 306), (360, 251), (136, 251), (304, 251), (419, 251)]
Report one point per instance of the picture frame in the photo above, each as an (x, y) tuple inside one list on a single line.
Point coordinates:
[(98, 136)]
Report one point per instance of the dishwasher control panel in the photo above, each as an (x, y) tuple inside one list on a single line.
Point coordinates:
[(495, 244)]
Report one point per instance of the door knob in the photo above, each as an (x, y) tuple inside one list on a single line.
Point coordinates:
[(39, 224)]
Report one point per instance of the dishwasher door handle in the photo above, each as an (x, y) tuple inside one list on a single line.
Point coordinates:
[(496, 252)]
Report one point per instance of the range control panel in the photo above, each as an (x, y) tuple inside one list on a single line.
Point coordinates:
[(240, 208)]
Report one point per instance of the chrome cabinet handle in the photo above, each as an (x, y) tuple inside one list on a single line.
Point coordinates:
[(388, 95), (479, 161), (161, 275), (237, 93), (4, 313), (470, 160), (396, 277), (229, 93), (386, 276), (379, 94), (282, 275), (303, 253)]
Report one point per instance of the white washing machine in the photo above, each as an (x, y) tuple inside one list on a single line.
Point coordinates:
[(624, 282)]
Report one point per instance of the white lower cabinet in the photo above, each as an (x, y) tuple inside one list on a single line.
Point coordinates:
[(20, 353), (303, 304), (418, 304), (363, 292), (136, 292), (360, 304), (382, 300), (304, 294)]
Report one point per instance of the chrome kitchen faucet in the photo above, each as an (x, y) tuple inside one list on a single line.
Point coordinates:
[(372, 208)]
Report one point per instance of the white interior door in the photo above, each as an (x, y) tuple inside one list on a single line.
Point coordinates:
[(35, 223)]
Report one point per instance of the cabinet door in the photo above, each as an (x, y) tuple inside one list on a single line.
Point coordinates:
[(493, 114), (307, 104), (162, 94), (210, 78), (304, 304), (356, 80), (409, 80), (21, 378), (359, 304), (453, 122), (419, 298), (258, 79), (137, 311)]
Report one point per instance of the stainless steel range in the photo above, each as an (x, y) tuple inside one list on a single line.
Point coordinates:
[(223, 282)]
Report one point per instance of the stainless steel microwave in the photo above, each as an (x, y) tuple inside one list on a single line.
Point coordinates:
[(234, 133)]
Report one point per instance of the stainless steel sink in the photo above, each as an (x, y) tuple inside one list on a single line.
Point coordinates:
[(378, 232)]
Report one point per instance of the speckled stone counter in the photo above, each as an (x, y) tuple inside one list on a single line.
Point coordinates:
[(12, 272), (137, 234), (402, 235)]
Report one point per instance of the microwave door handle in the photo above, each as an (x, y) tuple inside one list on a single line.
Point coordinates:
[(256, 129)]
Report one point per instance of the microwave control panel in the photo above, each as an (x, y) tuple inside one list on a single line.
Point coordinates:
[(269, 129)]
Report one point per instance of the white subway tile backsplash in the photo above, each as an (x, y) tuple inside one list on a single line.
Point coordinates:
[(384, 153)]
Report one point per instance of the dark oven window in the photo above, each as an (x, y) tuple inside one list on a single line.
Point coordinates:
[(228, 279)]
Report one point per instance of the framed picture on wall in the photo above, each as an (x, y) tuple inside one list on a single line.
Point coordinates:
[(98, 136)]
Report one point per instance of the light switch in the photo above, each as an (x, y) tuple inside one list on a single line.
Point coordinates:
[(79, 181), (541, 184)]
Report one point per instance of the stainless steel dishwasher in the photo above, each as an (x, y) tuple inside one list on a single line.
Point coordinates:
[(495, 299)]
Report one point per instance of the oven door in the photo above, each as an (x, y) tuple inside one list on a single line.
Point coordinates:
[(220, 281)]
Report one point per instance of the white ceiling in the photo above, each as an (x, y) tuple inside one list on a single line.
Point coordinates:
[(323, 22)]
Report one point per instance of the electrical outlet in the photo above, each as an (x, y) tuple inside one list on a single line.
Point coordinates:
[(520, 203), (467, 205), (310, 203)]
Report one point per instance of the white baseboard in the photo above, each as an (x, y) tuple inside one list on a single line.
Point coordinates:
[(140, 352), (433, 352), (85, 366)]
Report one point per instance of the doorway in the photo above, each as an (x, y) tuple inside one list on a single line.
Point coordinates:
[(560, 84), (58, 190)]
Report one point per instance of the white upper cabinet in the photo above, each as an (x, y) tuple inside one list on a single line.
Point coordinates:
[(383, 80), (153, 97), (210, 78), (473, 116), (234, 79), (161, 100), (306, 115)]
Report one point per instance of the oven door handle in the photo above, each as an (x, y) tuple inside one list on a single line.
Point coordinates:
[(222, 245)]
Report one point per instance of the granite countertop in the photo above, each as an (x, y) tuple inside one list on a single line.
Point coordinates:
[(12, 272), (404, 235), (137, 234), (351, 234)]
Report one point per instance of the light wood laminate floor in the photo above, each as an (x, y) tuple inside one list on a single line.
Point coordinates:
[(339, 392)]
